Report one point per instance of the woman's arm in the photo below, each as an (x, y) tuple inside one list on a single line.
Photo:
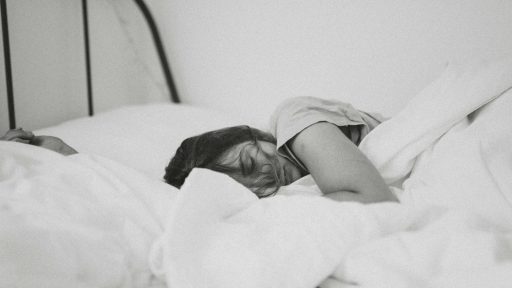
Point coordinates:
[(340, 169)]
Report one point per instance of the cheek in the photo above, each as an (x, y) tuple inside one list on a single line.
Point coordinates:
[(267, 169)]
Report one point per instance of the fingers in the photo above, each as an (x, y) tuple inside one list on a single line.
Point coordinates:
[(54, 144), (18, 135)]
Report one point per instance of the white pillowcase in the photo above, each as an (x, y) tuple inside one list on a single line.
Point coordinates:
[(143, 137)]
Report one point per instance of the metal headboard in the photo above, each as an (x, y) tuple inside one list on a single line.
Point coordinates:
[(154, 33)]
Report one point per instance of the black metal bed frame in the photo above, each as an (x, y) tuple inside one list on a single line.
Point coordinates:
[(154, 33)]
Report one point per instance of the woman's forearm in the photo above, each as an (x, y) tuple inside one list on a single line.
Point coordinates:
[(350, 196)]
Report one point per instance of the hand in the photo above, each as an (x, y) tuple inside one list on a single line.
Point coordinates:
[(54, 144), (18, 135), (48, 142)]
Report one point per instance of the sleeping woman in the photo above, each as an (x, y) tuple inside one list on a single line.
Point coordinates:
[(307, 136)]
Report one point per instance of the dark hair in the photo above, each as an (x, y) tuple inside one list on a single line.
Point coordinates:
[(203, 151)]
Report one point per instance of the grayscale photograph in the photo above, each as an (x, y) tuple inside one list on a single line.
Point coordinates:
[(256, 144)]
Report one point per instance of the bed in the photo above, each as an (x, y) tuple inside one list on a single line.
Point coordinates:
[(105, 218)]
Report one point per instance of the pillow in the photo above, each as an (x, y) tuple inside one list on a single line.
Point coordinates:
[(143, 137)]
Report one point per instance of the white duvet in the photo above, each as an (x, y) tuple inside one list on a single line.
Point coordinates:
[(448, 156), (77, 221), (85, 221)]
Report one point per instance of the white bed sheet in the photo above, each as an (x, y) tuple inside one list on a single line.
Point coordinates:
[(96, 222), (452, 229), (90, 219), (453, 143), (76, 221)]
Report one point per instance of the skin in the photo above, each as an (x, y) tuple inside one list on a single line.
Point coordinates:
[(255, 159), (341, 170), (48, 142)]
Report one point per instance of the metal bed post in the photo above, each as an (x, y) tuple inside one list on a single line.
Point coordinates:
[(8, 70), (158, 44), (87, 58), (160, 50), (154, 33)]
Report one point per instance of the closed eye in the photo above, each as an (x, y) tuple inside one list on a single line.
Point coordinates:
[(252, 165), (247, 165)]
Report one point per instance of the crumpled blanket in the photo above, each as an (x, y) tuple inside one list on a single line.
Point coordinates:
[(448, 157), (451, 145), (76, 221)]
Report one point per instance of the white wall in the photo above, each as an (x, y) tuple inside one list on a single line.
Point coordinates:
[(247, 55), (244, 56), (48, 59), (42, 60), (125, 65)]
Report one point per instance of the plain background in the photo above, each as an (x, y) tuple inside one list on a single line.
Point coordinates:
[(243, 56)]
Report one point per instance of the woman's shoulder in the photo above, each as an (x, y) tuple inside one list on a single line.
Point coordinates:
[(304, 105), (300, 102), (313, 109), (296, 114)]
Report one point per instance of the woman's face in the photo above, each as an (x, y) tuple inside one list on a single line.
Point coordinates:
[(258, 165)]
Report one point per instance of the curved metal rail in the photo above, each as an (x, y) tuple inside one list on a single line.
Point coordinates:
[(154, 33)]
